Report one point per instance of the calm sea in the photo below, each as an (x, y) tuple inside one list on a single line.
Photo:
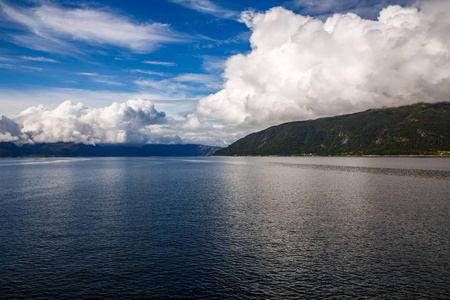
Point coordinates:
[(234, 228)]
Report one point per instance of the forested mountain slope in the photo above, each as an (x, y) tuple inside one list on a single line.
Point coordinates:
[(420, 129)]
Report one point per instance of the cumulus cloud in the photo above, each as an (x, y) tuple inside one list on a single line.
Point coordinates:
[(53, 28), (303, 68), (14, 101), (128, 122), (9, 130)]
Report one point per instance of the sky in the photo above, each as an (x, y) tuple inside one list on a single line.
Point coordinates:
[(210, 71)]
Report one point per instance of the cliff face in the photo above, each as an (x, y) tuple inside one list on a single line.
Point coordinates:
[(408, 130)]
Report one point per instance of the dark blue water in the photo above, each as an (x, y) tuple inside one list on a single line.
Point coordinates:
[(237, 228)]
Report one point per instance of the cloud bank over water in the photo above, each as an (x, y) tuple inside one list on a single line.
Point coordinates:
[(73, 122), (299, 68)]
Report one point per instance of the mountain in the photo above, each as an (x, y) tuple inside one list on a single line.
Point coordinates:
[(77, 150), (420, 129)]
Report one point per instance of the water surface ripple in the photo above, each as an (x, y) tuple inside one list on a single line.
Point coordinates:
[(239, 228)]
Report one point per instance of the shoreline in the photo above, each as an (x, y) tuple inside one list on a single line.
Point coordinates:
[(367, 155)]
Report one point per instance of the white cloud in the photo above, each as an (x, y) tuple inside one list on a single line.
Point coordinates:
[(148, 72), (208, 7), (133, 121), (205, 79), (40, 59), (109, 82), (183, 85), (15, 101), (6, 59), (167, 86), (7, 66), (213, 64), (19, 67), (101, 78), (9, 130), (87, 74), (160, 63), (53, 28), (324, 8), (128, 122), (303, 68), (299, 68)]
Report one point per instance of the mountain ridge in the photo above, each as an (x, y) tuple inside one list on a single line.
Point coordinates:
[(63, 149), (419, 129)]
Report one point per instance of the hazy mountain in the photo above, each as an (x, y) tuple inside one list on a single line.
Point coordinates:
[(72, 149), (408, 130)]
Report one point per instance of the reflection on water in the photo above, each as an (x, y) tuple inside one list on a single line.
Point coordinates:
[(384, 171), (225, 227)]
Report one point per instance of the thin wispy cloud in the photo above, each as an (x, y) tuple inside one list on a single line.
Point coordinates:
[(197, 78), (324, 8), (208, 7), (213, 64), (147, 72), (109, 82), (6, 59), (183, 85), (168, 86), (40, 59), (101, 78), (6, 66), (52, 28), (20, 67), (87, 74), (160, 63)]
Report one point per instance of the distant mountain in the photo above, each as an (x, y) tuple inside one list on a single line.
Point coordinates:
[(77, 150), (419, 129)]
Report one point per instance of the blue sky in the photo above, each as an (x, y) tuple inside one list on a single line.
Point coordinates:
[(178, 54), (169, 52)]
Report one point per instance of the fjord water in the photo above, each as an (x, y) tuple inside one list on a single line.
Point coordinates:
[(216, 227)]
